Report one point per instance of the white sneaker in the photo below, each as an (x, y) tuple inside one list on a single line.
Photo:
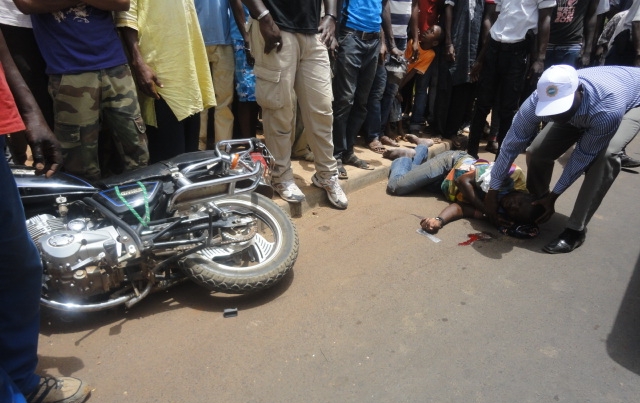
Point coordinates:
[(59, 390), (289, 191), (334, 191)]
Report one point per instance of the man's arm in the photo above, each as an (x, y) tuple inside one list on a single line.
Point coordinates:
[(145, 77), (452, 212), (327, 26), (239, 17), (466, 183), (589, 29), (44, 146), (388, 29), (544, 27), (489, 16), (48, 6), (449, 49), (268, 28)]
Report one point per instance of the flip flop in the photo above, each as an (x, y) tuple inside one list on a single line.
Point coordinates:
[(356, 162), (342, 173), (388, 141), (377, 147)]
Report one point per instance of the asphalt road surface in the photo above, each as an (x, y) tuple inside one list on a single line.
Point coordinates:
[(375, 312)]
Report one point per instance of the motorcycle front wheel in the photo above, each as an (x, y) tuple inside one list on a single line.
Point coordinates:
[(248, 265)]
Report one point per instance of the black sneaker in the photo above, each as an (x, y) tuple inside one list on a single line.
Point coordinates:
[(59, 390), (628, 162)]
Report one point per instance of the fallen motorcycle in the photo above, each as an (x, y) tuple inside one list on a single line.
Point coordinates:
[(197, 216)]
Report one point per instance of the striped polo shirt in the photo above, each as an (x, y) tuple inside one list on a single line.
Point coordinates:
[(609, 93)]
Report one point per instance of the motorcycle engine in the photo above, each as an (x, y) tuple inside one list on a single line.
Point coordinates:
[(78, 261)]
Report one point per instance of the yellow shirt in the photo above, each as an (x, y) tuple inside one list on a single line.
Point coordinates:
[(171, 44)]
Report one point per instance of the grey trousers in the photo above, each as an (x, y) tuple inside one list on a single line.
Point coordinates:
[(554, 140)]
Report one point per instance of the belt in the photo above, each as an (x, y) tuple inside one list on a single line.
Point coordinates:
[(365, 36)]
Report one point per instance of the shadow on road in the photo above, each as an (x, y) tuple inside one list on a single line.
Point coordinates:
[(186, 295), (623, 343)]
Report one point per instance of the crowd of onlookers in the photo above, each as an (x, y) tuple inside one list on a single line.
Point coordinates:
[(124, 83)]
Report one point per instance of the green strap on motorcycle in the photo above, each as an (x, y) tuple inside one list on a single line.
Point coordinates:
[(147, 217)]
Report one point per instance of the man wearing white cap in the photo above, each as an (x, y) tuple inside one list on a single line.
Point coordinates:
[(598, 110)]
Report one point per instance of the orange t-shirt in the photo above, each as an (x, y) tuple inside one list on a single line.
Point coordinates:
[(425, 57), (10, 120)]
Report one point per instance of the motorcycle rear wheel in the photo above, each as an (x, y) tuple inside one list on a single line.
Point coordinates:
[(276, 243)]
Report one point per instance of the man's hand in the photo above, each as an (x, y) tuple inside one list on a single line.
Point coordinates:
[(271, 34), (476, 68), (548, 203), (415, 51), (491, 209), (431, 225), (450, 53), (585, 59), (535, 71), (146, 79), (45, 148), (327, 30)]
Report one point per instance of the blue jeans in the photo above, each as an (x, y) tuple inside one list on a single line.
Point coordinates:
[(410, 174), (20, 286), (373, 122), (354, 71), (420, 98), (562, 54)]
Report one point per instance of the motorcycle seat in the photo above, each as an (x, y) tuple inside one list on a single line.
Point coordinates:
[(155, 171)]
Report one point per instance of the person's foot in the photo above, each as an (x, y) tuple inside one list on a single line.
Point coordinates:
[(399, 152), (567, 241), (628, 162), (334, 191), (388, 141), (376, 146), (59, 390), (289, 191), (412, 138)]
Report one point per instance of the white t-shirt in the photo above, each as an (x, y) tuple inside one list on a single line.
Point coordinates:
[(10, 15), (516, 18)]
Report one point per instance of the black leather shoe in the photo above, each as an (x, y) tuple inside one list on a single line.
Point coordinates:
[(566, 242), (628, 162)]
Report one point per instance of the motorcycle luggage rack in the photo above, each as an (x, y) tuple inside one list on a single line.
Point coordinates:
[(225, 186)]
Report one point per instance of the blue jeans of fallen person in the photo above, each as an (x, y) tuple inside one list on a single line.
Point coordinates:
[(354, 71), (20, 286), (410, 174), (373, 122)]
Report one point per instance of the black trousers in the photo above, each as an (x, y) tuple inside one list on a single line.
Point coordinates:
[(501, 82)]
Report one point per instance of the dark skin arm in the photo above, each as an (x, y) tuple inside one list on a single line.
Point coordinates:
[(466, 183), (449, 50), (415, 29), (544, 26), (491, 209), (48, 6), (238, 16), (388, 30), (327, 27), (452, 212), (268, 28), (590, 23), (44, 146), (145, 77), (488, 18)]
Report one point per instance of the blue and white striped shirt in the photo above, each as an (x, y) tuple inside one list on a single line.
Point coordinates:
[(609, 92)]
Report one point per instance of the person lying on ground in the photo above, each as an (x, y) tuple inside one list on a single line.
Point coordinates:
[(460, 177)]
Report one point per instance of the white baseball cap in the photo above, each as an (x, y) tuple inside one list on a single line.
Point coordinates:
[(556, 89)]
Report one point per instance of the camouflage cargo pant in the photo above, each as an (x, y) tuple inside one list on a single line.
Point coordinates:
[(82, 103)]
